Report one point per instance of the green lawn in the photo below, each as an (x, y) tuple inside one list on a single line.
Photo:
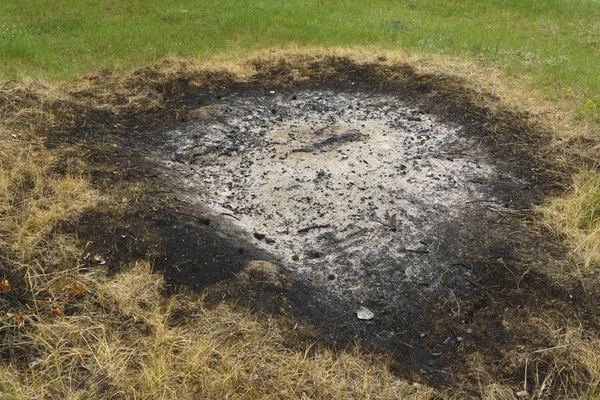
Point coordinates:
[(555, 41)]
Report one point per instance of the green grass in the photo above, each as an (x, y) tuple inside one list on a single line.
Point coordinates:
[(555, 41)]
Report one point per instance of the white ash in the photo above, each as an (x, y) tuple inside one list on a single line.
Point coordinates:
[(350, 190)]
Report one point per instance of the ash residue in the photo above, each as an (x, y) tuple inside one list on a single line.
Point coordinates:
[(373, 176), (333, 141), (357, 194)]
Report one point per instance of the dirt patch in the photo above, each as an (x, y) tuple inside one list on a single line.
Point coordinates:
[(367, 186)]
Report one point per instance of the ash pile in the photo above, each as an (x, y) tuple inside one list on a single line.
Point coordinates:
[(359, 194)]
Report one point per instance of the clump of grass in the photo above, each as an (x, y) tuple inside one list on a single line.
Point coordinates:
[(589, 109), (568, 367), (32, 200), (588, 204), (576, 216), (560, 362)]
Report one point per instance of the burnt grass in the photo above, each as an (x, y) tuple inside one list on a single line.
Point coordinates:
[(507, 260)]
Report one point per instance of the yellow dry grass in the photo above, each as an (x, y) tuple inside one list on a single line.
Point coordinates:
[(131, 347), (33, 200), (576, 217), (124, 339)]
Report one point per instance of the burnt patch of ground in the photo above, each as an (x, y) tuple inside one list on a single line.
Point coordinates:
[(463, 251), (184, 246), (494, 257)]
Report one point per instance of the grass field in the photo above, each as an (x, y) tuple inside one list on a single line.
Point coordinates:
[(555, 42), (59, 326)]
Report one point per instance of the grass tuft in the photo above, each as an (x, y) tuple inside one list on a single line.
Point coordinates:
[(576, 216), (33, 199)]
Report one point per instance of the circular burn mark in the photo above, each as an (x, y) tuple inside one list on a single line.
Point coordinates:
[(358, 194)]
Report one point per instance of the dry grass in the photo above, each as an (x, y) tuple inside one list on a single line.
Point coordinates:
[(128, 343), (99, 336), (33, 200), (576, 216), (567, 367)]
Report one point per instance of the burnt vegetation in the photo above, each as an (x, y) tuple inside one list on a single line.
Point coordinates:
[(98, 252)]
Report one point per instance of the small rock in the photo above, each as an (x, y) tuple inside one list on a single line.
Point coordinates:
[(259, 236), (365, 314), (522, 394)]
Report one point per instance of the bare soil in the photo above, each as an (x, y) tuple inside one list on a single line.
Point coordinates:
[(364, 185)]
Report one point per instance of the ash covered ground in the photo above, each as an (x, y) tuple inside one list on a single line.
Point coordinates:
[(358, 194), (369, 205), (395, 211)]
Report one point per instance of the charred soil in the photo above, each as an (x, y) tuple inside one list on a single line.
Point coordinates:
[(478, 262)]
